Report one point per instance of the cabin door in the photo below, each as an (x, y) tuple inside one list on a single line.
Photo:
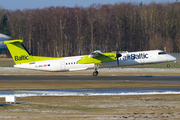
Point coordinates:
[(63, 65)]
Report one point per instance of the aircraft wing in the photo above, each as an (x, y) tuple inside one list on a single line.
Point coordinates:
[(97, 57)]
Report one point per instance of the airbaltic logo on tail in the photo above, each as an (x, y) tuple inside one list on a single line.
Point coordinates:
[(22, 57)]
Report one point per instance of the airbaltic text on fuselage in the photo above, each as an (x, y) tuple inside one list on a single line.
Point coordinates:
[(22, 57), (135, 56)]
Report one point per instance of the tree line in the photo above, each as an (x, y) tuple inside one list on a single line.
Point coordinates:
[(62, 31)]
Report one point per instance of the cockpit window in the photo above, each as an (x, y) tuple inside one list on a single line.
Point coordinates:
[(161, 53)]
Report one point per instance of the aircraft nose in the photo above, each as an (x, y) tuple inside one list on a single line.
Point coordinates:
[(175, 59), (172, 58)]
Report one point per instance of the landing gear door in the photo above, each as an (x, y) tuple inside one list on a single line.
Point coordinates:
[(63, 65)]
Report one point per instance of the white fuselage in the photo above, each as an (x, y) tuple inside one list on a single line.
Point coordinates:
[(128, 58)]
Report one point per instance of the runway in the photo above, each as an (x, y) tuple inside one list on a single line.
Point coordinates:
[(84, 78)]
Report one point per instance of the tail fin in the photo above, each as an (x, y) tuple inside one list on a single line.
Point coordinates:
[(18, 52)]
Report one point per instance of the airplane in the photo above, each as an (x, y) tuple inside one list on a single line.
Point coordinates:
[(23, 59)]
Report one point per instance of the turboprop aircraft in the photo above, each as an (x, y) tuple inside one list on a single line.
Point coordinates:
[(97, 59)]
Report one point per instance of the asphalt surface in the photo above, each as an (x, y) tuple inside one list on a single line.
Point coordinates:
[(74, 78)]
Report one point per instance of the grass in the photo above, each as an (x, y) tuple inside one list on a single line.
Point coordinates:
[(78, 85), (6, 62), (94, 107)]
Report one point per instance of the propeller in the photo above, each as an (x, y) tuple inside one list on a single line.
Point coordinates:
[(117, 56)]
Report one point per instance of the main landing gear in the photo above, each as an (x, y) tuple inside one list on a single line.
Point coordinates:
[(95, 73)]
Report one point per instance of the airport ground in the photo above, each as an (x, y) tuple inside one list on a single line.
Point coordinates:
[(138, 107), (131, 107)]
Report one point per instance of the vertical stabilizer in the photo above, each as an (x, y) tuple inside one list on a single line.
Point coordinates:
[(18, 52)]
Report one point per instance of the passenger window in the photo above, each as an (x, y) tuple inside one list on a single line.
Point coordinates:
[(161, 53)]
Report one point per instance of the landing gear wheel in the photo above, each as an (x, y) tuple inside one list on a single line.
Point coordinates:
[(95, 73), (168, 65)]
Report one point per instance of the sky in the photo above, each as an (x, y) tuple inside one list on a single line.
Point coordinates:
[(33, 4)]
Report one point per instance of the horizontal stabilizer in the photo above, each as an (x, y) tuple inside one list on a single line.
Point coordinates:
[(13, 41)]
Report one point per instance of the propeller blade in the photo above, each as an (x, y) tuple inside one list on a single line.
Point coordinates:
[(117, 56), (117, 61)]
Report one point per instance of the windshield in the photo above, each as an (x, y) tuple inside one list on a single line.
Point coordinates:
[(161, 53)]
